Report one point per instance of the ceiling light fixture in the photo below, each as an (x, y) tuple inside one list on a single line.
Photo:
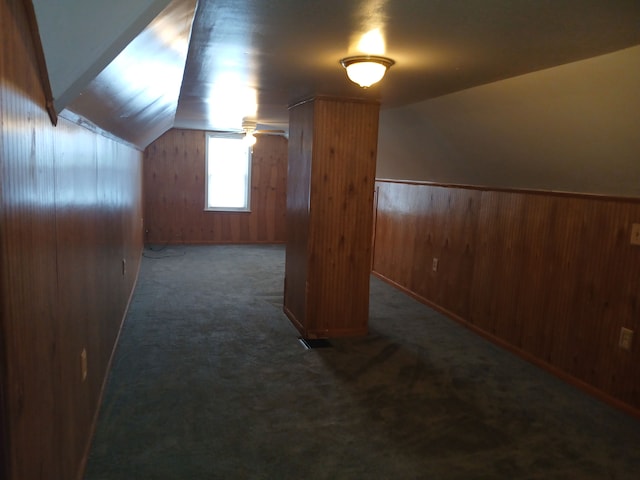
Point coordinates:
[(250, 138), (249, 129), (365, 70)]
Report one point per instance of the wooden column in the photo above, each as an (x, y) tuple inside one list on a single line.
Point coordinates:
[(332, 159)]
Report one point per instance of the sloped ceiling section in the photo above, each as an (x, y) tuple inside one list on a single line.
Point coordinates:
[(81, 37), (136, 96)]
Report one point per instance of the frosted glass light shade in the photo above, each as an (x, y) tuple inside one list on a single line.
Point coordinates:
[(250, 138), (366, 70)]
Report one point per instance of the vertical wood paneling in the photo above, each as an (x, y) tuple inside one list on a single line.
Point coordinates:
[(269, 189), (552, 276), (298, 211), (396, 225), (70, 211), (342, 184), (429, 223), (174, 193), (332, 235)]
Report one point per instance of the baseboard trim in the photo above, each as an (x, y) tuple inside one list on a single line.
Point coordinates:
[(561, 374), (294, 321), (96, 415)]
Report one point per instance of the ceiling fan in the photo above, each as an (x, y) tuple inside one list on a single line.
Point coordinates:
[(250, 127), (249, 131)]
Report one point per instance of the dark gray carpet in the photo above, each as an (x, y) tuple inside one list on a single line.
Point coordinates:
[(209, 381)]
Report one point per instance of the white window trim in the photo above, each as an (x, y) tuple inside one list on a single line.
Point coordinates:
[(207, 208)]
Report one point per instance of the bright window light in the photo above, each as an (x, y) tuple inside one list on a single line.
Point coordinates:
[(228, 173)]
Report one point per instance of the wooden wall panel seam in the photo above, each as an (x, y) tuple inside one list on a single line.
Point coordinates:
[(42, 64)]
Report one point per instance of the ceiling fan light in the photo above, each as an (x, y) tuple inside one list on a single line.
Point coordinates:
[(250, 138), (366, 70)]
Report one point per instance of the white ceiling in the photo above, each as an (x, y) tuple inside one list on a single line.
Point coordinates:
[(80, 38), (286, 50)]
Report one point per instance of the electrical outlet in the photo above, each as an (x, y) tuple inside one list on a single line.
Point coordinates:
[(83, 364), (635, 234), (626, 338), (434, 264)]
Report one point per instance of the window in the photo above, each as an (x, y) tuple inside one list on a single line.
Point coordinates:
[(228, 166)]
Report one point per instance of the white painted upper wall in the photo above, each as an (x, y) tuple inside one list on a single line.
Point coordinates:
[(571, 128), (81, 37)]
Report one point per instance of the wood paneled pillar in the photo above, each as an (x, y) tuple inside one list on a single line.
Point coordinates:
[(332, 160)]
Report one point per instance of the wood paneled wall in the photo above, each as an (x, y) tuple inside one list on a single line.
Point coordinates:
[(174, 193), (332, 172), (550, 276), (298, 210), (70, 214)]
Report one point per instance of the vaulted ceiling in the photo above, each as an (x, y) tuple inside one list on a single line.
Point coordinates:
[(138, 68)]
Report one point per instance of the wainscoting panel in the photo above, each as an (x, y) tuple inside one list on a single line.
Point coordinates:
[(174, 193), (425, 241), (551, 276)]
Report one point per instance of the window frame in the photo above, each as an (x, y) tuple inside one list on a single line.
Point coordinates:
[(249, 159)]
